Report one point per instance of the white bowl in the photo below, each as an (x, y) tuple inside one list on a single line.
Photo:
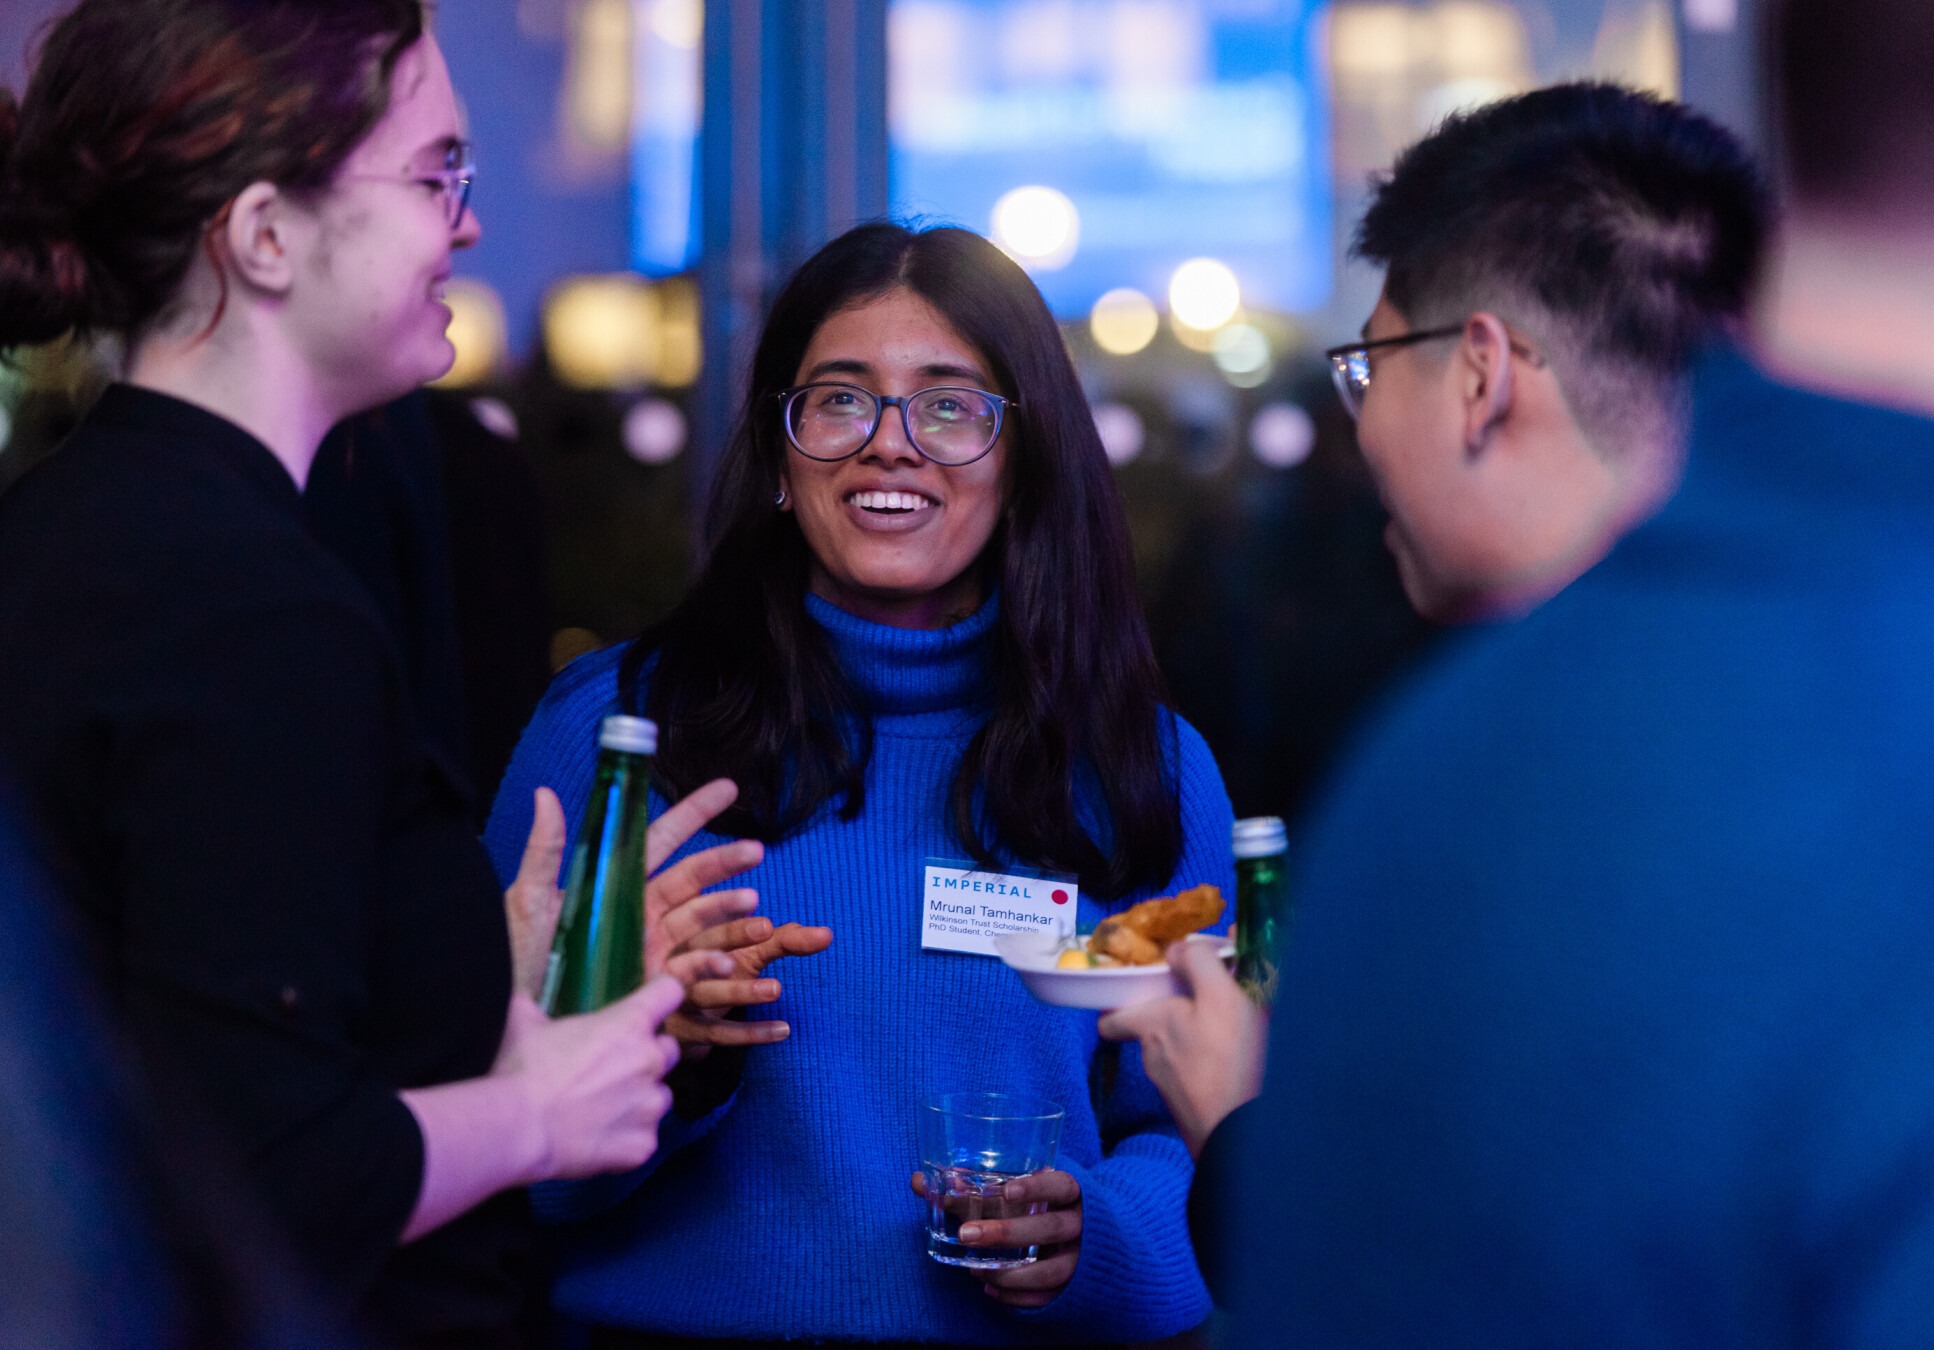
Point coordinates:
[(1103, 988)]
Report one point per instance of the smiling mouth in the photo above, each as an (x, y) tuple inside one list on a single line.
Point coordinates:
[(891, 503)]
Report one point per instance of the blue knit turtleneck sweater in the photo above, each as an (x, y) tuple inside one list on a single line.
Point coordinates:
[(786, 1213)]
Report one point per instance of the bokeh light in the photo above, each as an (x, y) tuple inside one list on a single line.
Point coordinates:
[(1204, 294), (654, 431), (476, 331), (601, 332), (1123, 321), (1121, 431), (495, 416), (1241, 353), (679, 22), (1038, 227), (1282, 435)]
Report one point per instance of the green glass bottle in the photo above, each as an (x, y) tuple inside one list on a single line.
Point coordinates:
[(1261, 846), (598, 955)]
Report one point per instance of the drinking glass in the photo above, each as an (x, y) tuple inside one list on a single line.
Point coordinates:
[(971, 1145)]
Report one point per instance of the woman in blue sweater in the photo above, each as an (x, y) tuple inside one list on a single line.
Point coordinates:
[(915, 637)]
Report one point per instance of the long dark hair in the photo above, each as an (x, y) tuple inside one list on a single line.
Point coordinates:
[(746, 684), (144, 118)]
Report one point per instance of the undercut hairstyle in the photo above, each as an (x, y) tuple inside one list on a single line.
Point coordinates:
[(1623, 230), (1854, 82), (144, 119), (744, 684)]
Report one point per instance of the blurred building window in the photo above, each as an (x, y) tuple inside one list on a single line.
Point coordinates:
[(667, 107), (1103, 143)]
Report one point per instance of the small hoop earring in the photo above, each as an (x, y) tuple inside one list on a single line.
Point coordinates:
[(780, 500)]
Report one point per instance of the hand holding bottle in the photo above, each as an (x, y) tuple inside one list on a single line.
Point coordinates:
[(673, 899)]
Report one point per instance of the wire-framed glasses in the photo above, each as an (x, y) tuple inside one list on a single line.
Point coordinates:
[(450, 185), (1350, 364), (949, 424)]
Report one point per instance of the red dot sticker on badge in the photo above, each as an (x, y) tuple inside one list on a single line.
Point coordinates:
[(1060, 897)]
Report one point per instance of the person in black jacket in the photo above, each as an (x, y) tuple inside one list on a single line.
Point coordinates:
[(294, 918)]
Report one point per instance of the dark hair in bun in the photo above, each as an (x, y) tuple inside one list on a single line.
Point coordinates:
[(144, 118)]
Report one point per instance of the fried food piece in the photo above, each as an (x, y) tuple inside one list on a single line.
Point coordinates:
[(1114, 938), (1139, 936), (1173, 918)]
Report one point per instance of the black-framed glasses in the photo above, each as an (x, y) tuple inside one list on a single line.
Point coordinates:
[(1350, 363), (450, 184), (951, 425)]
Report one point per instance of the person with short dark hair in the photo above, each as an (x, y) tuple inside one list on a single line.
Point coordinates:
[(914, 637), (1608, 1021), (1553, 263)]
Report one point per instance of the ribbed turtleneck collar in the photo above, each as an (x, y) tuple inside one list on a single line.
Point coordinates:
[(912, 670)]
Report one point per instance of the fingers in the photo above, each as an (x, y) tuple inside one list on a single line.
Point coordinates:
[(711, 1031), (696, 970), (685, 819), (531, 904), (920, 1184), (1134, 1023), (1050, 1186), (681, 923), (1061, 1222), (1057, 1225), (659, 999), (1032, 1286), (683, 880), (746, 932), (1199, 970), (790, 940), (722, 995), (544, 846)]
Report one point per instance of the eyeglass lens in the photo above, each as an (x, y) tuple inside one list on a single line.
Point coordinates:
[(1351, 373), (456, 195), (948, 426)]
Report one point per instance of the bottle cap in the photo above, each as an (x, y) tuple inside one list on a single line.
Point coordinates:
[(1260, 836), (637, 735)]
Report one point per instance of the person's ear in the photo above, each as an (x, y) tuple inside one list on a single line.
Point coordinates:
[(785, 502), (1484, 376), (258, 235)]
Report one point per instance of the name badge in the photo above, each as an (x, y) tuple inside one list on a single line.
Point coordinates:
[(963, 908)]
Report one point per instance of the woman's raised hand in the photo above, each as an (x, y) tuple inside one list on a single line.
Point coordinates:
[(694, 935)]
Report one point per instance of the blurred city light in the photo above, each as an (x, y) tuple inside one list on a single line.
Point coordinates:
[(476, 331), (1712, 16), (1170, 127), (601, 332), (679, 353), (1282, 435), (1204, 294), (622, 332), (1399, 69), (1038, 227), (1121, 431), (1638, 46), (1123, 321), (664, 135), (654, 431), (1241, 352), (598, 87), (681, 23)]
